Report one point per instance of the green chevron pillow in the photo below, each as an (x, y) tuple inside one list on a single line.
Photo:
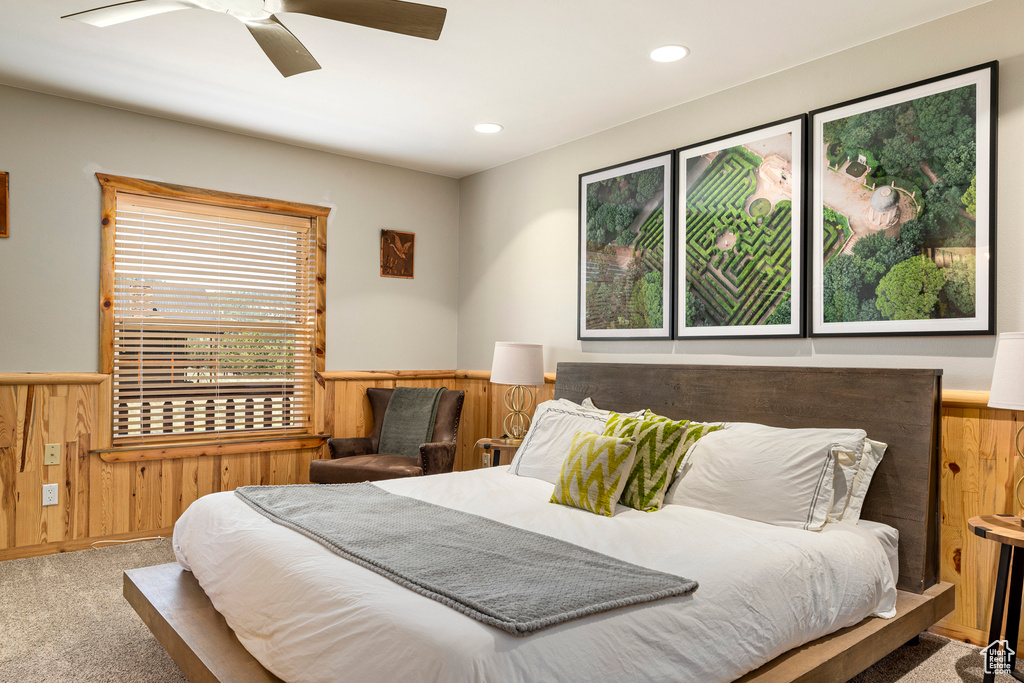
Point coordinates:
[(594, 472), (661, 444)]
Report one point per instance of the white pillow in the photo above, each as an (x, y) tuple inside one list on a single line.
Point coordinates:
[(550, 437), (779, 476), (588, 404), (871, 456), (847, 465)]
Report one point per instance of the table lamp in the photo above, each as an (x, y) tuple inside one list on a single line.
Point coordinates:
[(520, 365), (1008, 384)]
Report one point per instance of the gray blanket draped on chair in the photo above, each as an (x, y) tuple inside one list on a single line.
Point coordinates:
[(409, 420)]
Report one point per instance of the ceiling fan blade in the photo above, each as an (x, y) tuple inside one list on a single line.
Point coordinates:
[(284, 49), (409, 18), (127, 11)]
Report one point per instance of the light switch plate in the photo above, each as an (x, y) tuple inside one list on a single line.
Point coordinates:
[(49, 494), (52, 454)]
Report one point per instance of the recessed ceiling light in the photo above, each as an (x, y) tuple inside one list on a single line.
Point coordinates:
[(669, 53), (487, 128)]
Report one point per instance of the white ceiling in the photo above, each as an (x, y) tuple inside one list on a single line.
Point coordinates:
[(550, 71)]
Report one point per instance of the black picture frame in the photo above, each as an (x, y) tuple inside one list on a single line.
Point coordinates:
[(741, 234), (626, 240), (925, 157), (5, 220)]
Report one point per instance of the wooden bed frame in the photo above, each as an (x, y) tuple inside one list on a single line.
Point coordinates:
[(899, 407)]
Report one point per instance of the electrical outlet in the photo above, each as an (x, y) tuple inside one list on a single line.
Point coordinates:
[(49, 494), (52, 454)]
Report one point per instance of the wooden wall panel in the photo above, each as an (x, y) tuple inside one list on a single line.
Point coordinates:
[(979, 470), (30, 417), (99, 500), (8, 411), (352, 415), (475, 421)]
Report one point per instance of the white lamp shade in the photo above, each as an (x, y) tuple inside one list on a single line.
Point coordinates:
[(517, 363), (1008, 375)]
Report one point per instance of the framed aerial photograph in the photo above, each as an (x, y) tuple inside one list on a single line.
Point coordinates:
[(903, 210), (625, 255), (397, 252), (741, 235), (4, 201)]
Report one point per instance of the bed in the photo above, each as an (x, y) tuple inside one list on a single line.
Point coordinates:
[(367, 613)]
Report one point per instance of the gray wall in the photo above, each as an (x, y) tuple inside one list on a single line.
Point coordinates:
[(518, 231), (49, 267)]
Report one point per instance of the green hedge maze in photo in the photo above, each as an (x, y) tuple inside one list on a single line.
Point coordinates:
[(625, 244), (738, 246)]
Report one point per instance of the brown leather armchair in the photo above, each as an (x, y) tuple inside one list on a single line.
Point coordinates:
[(356, 459)]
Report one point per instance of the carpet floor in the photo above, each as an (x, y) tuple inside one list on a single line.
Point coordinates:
[(63, 618)]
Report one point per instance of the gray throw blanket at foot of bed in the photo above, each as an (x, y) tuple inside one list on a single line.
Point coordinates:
[(516, 580)]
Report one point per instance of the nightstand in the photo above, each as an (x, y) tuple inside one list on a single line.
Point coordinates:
[(1008, 532), (494, 447)]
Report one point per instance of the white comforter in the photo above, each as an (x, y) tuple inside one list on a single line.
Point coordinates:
[(309, 615)]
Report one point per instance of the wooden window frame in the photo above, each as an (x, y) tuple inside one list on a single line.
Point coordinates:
[(197, 445)]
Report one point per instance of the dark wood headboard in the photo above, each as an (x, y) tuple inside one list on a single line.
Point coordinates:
[(899, 407)]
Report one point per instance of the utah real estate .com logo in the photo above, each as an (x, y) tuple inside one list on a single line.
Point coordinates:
[(998, 657)]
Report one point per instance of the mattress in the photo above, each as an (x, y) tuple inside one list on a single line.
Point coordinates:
[(308, 615)]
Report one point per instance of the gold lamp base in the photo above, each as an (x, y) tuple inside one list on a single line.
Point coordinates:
[(1016, 489), (517, 400)]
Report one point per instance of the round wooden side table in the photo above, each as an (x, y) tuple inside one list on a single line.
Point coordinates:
[(1009, 533)]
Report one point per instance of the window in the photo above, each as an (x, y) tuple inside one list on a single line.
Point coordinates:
[(212, 322)]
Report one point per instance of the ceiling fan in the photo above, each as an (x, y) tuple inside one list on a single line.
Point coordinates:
[(260, 17)]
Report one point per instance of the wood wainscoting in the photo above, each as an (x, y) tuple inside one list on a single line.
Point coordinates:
[(980, 469), (118, 500), (100, 500)]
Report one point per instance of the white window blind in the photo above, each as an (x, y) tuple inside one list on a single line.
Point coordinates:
[(214, 320)]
